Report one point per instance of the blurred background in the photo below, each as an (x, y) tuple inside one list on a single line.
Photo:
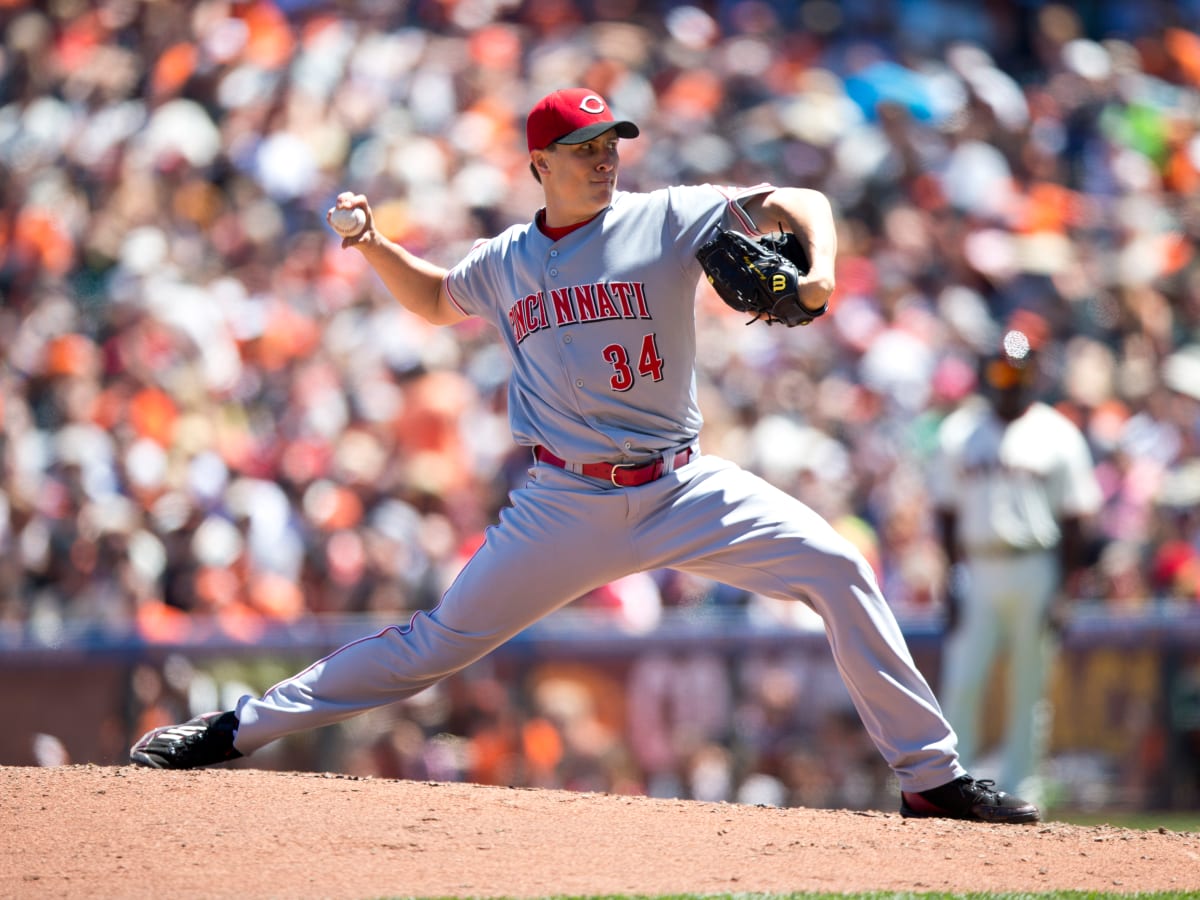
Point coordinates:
[(225, 449)]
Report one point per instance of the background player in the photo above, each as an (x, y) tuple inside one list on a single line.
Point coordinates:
[(595, 302), (1014, 482)]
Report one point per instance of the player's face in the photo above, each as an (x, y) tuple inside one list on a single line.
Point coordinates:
[(582, 177), (1009, 387)]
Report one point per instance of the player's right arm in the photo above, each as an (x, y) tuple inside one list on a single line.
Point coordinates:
[(419, 285)]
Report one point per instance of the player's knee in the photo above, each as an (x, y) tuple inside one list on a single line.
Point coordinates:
[(844, 567), (446, 650), (848, 561)]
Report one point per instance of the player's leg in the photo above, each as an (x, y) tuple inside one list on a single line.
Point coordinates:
[(732, 526), (552, 545), (729, 525), (559, 539), (1030, 656), (968, 655)]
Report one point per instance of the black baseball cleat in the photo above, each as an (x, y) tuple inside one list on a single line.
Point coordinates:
[(202, 741), (966, 798)]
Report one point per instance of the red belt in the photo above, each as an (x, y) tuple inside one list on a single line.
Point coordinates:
[(620, 474)]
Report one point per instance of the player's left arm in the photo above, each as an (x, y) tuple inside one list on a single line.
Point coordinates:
[(1072, 558), (809, 216), (1076, 510), (1077, 506), (1072, 552)]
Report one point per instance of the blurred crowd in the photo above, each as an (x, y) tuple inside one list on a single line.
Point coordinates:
[(214, 417)]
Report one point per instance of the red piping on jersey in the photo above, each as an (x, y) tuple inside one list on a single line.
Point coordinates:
[(734, 201), (450, 294)]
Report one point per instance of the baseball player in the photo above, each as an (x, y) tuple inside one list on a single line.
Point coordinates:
[(595, 302), (1014, 483)]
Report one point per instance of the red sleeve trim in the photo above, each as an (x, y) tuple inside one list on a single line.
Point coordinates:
[(734, 197)]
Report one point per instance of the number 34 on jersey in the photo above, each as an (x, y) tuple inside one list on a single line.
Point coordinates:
[(597, 302)]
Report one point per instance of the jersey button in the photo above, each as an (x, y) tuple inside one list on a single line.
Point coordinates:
[(578, 382), (554, 253), (567, 339), (554, 271)]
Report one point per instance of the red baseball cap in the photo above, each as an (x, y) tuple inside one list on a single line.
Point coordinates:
[(572, 116)]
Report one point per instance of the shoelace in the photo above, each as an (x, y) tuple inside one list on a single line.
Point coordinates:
[(184, 738), (985, 789)]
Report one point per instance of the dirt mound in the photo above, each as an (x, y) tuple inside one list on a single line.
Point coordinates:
[(93, 831)]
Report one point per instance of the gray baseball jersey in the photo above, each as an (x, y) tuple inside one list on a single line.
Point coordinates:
[(1011, 483), (600, 325), (602, 343)]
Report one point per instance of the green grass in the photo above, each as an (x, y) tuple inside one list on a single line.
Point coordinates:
[(1172, 820)]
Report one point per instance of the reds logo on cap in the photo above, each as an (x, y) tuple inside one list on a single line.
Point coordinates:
[(572, 116)]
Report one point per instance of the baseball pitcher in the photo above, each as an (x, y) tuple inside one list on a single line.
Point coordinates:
[(594, 300)]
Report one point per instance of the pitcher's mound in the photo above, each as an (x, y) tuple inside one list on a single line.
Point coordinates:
[(96, 832)]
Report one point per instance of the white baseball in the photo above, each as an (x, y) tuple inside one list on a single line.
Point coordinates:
[(348, 222)]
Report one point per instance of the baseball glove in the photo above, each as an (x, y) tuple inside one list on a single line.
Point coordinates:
[(759, 276)]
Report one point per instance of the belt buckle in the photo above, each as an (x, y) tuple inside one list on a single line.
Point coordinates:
[(612, 476)]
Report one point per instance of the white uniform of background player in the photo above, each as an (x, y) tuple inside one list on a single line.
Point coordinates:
[(1014, 481), (595, 303)]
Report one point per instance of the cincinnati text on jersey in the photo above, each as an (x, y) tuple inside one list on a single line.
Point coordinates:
[(578, 304)]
